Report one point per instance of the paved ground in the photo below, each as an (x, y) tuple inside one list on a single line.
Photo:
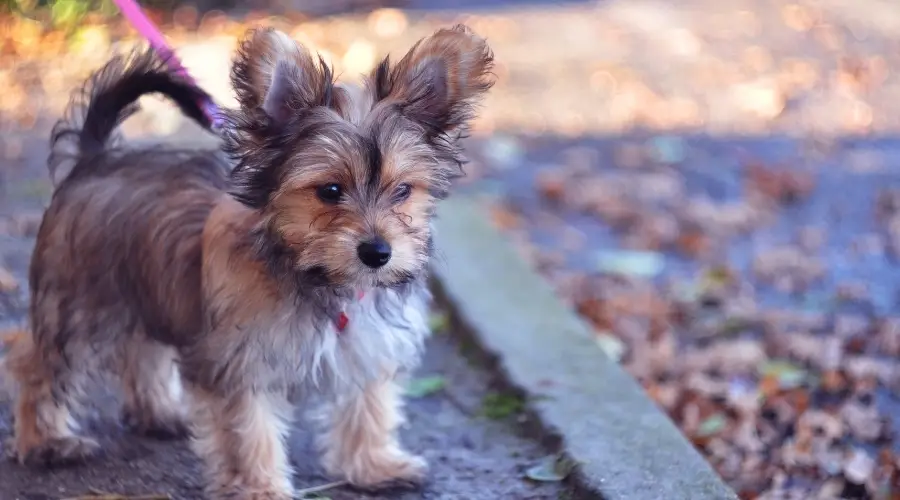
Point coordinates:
[(472, 457)]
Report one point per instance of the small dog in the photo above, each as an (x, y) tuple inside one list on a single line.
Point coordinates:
[(298, 269)]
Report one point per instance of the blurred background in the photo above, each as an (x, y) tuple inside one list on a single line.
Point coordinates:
[(713, 185)]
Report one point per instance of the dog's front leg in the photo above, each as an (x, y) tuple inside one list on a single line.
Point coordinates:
[(241, 439), (360, 439)]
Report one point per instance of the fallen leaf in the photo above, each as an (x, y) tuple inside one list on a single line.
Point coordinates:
[(859, 467), (551, 185), (505, 218), (833, 381), (438, 321), (780, 185), (499, 406), (668, 149), (631, 263), (717, 277), (786, 373), (693, 243), (768, 387), (8, 282), (425, 386), (611, 346), (713, 425), (551, 469)]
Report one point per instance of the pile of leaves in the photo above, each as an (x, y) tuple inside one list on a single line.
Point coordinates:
[(784, 402)]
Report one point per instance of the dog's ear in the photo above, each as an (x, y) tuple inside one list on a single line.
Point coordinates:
[(440, 80), (278, 76)]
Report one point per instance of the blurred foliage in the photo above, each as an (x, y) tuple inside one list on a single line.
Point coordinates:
[(66, 14), (57, 13)]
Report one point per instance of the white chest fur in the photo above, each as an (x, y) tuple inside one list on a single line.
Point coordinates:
[(385, 333)]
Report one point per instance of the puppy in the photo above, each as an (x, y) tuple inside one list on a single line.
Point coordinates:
[(295, 272)]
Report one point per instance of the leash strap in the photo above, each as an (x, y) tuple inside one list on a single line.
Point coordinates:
[(133, 13)]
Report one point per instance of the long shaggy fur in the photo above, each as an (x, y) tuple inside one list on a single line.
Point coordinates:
[(297, 276)]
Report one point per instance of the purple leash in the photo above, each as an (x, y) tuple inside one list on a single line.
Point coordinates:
[(133, 13)]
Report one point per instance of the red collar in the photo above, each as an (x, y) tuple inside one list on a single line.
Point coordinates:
[(342, 319)]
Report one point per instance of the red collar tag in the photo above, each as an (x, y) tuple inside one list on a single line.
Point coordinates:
[(342, 319)]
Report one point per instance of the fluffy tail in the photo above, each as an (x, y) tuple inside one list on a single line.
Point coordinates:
[(110, 96)]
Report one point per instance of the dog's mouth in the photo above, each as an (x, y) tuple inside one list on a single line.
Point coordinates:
[(367, 279), (389, 279)]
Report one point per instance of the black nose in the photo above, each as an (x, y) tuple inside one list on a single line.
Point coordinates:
[(374, 253)]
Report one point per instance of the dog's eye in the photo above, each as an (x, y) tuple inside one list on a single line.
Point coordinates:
[(330, 193), (402, 192)]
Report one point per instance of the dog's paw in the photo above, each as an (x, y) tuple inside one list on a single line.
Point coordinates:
[(389, 471), (165, 429), (60, 452)]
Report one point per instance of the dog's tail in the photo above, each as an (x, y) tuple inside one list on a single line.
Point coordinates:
[(110, 96)]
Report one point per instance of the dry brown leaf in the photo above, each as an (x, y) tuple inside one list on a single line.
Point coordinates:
[(504, 218), (551, 185), (8, 282)]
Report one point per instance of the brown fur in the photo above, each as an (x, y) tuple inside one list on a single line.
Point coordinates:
[(171, 270)]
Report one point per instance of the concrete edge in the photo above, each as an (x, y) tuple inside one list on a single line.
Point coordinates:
[(626, 448)]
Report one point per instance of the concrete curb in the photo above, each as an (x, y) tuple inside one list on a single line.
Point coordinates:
[(626, 447)]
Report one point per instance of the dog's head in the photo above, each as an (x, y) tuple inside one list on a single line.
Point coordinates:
[(347, 177)]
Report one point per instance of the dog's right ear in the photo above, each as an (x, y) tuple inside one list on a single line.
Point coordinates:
[(275, 79), (274, 74)]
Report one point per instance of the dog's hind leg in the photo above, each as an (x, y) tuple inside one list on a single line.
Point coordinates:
[(153, 403), (49, 383)]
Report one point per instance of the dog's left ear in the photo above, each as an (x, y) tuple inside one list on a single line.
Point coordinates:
[(275, 74), (440, 80)]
